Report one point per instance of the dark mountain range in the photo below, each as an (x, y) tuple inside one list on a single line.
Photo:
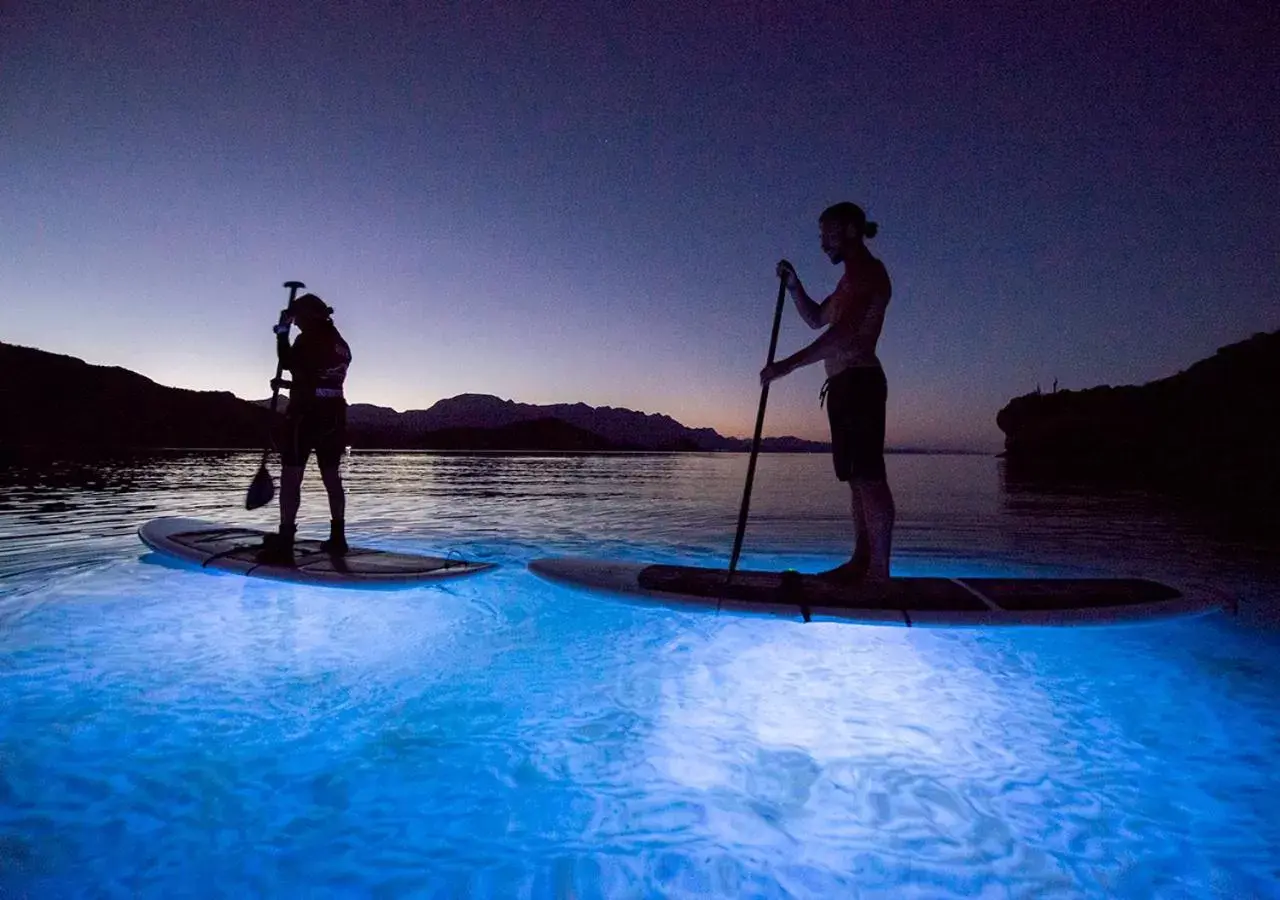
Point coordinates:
[(1210, 433), (620, 429), (59, 404), (64, 404), (533, 435)]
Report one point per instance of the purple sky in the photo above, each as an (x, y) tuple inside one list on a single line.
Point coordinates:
[(562, 202)]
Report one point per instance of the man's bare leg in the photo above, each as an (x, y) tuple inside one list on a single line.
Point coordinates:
[(861, 559), (879, 509), (856, 567)]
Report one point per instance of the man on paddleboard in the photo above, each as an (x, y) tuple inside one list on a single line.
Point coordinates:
[(855, 391), (316, 420)]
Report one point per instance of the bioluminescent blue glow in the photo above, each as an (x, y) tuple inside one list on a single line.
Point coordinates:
[(167, 732)]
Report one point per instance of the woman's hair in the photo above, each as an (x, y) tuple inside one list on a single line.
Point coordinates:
[(850, 214), (312, 304)]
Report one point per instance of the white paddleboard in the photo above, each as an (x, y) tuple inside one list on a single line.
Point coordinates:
[(233, 549)]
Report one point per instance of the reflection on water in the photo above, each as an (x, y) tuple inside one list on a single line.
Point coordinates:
[(165, 730)]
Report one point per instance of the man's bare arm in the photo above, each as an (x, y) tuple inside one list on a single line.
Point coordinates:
[(811, 312), (831, 342), (814, 314), (828, 344)]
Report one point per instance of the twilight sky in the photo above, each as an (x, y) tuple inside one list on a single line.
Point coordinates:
[(585, 201)]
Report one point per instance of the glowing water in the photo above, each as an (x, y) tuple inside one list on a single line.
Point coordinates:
[(166, 732)]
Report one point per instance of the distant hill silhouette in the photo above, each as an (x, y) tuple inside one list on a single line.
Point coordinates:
[(53, 402), (537, 434), (1211, 432), (619, 429)]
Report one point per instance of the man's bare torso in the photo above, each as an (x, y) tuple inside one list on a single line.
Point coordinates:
[(857, 307)]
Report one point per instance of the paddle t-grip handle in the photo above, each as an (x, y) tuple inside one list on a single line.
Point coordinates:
[(755, 440), (294, 287)]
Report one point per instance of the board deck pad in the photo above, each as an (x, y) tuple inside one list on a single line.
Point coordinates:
[(234, 549), (907, 601)]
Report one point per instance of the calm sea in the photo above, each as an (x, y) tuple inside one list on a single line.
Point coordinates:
[(172, 733)]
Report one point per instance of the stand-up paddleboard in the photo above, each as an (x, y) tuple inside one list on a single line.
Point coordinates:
[(234, 549), (908, 601)]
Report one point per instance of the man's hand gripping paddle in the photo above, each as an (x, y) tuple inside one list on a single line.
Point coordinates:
[(263, 488)]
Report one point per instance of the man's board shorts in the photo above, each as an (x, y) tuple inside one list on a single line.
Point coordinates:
[(855, 400), (321, 427)]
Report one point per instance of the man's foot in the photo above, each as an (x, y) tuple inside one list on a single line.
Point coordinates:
[(872, 588), (850, 572)]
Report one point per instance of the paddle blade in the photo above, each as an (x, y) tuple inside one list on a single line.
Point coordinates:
[(261, 490)]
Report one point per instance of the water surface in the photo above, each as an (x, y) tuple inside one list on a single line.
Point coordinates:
[(170, 732)]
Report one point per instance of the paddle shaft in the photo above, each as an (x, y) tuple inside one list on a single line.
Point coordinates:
[(755, 440), (293, 287)]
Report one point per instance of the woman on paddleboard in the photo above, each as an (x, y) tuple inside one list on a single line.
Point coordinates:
[(316, 420)]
